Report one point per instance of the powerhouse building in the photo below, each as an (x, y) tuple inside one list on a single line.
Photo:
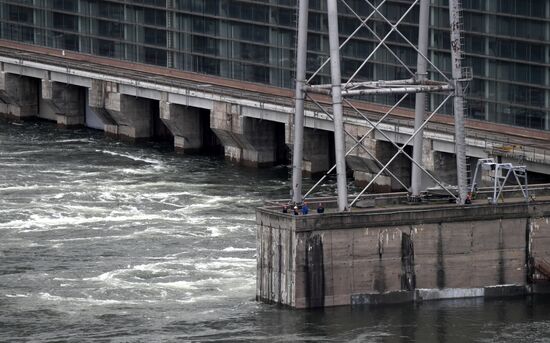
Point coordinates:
[(506, 42)]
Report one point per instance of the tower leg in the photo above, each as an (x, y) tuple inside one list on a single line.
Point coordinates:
[(339, 141)]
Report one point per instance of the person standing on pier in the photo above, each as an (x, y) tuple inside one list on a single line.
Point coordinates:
[(320, 208), (305, 208)]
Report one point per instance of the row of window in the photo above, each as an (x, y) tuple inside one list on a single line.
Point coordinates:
[(235, 47)]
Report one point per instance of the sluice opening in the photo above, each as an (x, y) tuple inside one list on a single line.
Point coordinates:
[(211, 144), (159, 132)]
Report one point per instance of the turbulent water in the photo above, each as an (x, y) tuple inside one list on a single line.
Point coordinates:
[(105, 241)]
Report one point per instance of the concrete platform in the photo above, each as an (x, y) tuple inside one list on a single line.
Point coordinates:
[(396, 252)]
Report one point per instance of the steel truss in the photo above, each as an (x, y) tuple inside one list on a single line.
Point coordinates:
[(342, 92), (500, 173)]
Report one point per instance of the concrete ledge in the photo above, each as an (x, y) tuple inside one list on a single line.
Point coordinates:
[(499, 291), (448, 293), (502, 291), (540, 288), (383, 298), (419, 215)]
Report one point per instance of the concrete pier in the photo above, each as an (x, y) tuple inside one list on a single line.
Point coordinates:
[(18, 95), (317, 151), (186, 126), (248, 141), (66, 101), (394, 252), (131, 114)]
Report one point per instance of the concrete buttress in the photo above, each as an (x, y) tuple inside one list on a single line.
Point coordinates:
[(317, 148), (131, 114), (66, 101), (18, 95), (185, 124), (362, 160), (249, 141)]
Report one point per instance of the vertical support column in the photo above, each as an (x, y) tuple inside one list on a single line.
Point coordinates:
[(301, 59), (458, 101), (339, 143), (420, 106)]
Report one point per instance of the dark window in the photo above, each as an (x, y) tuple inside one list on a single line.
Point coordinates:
[(65, 5), (154, 36), (155, 56), (65, 21)]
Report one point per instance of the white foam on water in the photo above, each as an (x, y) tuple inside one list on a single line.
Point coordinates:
[(196, 220), (233, 228), (56, 171), (109, 278), (17, 295), (135, 171), (64, 279), (42, 223), (214, 231), (93, 238), (231, 249), (188, 285), (26, 187), (82, 140), (203, 298), (216, 199), (159, 266), (132, 157), (88, 300), (24, 152), (226, 264)]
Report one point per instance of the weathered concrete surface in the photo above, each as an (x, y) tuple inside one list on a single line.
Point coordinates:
[(131, 114), (362, 160), (400, 253), (318, 149), (185, 124), (276, 261), (249, 141), (67, 101), (18, 95)]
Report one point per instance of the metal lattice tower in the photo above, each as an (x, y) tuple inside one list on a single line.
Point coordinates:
[(341, 93)]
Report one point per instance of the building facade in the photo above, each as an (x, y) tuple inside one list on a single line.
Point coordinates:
[(507, 42)]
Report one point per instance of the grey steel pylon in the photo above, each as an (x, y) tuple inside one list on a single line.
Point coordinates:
[(340, 92), (301, 61), (420, 105)]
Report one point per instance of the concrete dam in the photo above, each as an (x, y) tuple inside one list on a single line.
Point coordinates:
[(390, 252), (251, 123)]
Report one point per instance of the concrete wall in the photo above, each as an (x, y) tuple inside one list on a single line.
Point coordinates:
[(400, 254), (249, 141), (18, 95)]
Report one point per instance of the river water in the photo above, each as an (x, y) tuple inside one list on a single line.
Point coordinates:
[(106, 241)]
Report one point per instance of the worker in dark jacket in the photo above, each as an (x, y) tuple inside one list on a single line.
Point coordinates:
[(305, 208), (320, 208)]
